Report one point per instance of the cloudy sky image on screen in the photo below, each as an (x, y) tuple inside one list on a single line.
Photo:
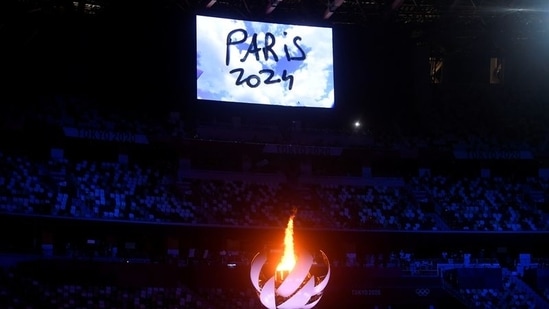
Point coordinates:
[(312, 77)]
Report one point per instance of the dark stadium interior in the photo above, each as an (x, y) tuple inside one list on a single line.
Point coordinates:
[(426, 184)]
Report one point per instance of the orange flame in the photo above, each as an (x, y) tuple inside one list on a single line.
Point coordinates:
[(288, 260)]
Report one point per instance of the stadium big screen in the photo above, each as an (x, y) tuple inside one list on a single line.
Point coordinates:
[(264, 63)]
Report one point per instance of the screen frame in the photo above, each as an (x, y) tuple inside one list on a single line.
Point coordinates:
[(330, 83)]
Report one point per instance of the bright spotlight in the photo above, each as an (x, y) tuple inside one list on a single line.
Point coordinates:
[(332, 7), (271, 6), (211, 3)]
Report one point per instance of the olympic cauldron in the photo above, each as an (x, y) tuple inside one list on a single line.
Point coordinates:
[(298, 280)]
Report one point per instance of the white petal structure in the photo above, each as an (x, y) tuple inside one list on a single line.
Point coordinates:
[(298, 290)]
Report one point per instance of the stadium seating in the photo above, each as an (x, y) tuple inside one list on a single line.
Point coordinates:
[(129, 191)]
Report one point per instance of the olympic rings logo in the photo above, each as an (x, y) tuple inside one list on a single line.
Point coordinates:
[(422, 292)]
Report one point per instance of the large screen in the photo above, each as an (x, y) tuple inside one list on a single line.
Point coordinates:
[(264, 63)]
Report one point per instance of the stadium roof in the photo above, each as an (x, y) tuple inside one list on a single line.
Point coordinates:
[(350, 11), (458, 18), (366, 11)]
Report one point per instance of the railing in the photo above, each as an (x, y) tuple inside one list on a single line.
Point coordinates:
[(521, 285), (457, 295)]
